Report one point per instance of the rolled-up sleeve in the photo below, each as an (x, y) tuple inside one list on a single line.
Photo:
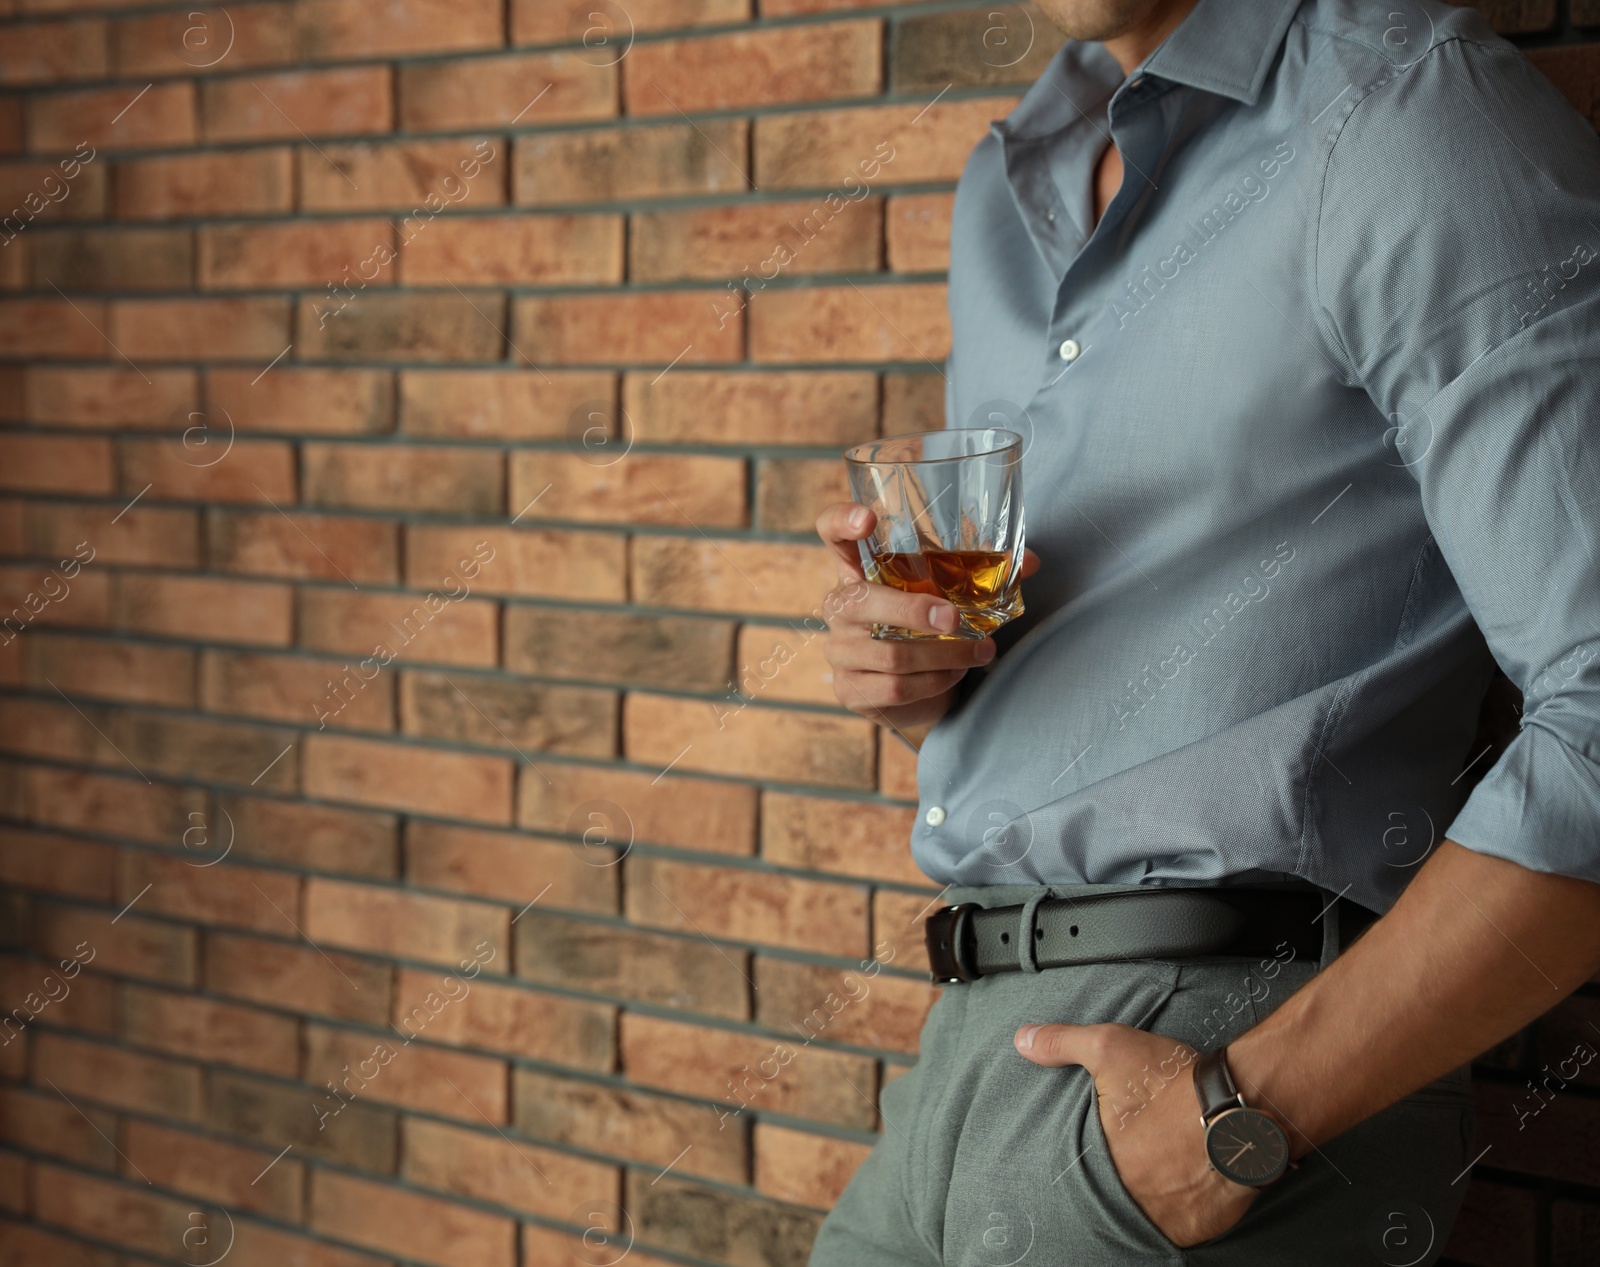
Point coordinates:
[(1457, 271)]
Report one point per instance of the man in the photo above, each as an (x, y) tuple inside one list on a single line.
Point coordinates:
[(1295, 303)]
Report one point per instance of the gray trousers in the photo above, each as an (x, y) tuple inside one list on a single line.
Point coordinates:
[(988, 1160)]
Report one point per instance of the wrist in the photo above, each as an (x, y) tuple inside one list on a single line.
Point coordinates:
[(1262, 1065)]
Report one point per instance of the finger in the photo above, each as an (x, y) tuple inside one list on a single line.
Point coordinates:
[(1056, 1046), (890, 690), (840, 526), (853, 648), (1030, 563), (871, 604)]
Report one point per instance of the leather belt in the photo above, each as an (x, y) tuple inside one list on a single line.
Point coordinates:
[(969, 941)]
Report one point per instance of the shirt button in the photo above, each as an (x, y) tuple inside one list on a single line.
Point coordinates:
[(934, 816), (1070, 350)]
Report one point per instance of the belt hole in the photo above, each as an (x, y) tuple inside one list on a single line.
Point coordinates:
[(1073, 930), (1038, 934), (1005, 938)]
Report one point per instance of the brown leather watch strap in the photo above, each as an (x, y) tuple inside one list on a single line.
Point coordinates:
[(1213, 1084)]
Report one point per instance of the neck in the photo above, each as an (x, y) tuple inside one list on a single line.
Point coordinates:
[(1140, 40)]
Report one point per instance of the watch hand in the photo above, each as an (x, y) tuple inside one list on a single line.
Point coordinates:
[(1242, 1151)]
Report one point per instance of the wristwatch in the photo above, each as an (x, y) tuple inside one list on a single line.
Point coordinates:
[(1242, 1144)]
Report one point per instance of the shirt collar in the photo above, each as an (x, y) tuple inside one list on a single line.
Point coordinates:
[(1225, 46)]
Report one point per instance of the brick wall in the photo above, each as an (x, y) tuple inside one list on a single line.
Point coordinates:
[(424, 806)]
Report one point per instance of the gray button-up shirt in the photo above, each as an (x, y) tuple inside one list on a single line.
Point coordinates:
[(1310, 418)]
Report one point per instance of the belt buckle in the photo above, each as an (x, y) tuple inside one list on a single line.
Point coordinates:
[(952, 944)]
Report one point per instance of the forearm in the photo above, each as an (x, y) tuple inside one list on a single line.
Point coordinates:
[(1475, 949)]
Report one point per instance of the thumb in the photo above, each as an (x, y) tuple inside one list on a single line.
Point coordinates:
[(1055, 1046), (1030, 563)]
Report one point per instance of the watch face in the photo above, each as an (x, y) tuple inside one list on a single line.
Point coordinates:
[(1247, 1146)]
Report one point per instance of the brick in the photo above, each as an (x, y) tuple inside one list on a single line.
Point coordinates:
[(308, 255), (22, 1245), (401, 627), (142, 535), (230, 896), (547, 1247), (682, 652), (634, 805), (200, 329), (899, 322), (53, 52), (722, 1065), (778, 665), (338, 30), (897, 920), (274, 1114), (803, 1168), (90, 396), (313, 837), (1572, 71), (1497, 1227), (11, 126), (536, 22), (778, 407), (47, 190), (409, 925), (627, 1122), (409, 777), (206, 1030), (788, 8), (298, 978), (110, 804), (120, 1079), (1521, 17), (499, 92), (406, 328), (400, 175), (145, 949), (112, 259), (769, 578), (303, 401), (720, 72), (633, 488), (39, 728), (1572, 1232), (50, 327), (56, 864), (407, 1224), (55, 464), (688, 1218), (746, 905), (507, 867), (499, 404), (913, 402), (1548, 1143), (807, 1002), (412, 1076), (102, 669), (910, 143), (499, 713), (897, 767), (676, 972), (759, 241), (1005, 44), (652, 327), (45, 1123), (39, 991), (296, 104), (204, 607), (258, 1245), (113, 118), (287, 688), (792, 492), (919, 233), (392, 477), (528, 562), (125, 1213), (856, 838), (519, 250), (185, 43), (239, 182), (241, 1178), (616, 164), (185, 747), (303, 546), (208, 464), (485, 1167), (536, 1026)]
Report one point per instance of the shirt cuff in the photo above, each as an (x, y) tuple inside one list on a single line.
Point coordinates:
[(1539, 806)]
